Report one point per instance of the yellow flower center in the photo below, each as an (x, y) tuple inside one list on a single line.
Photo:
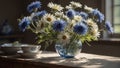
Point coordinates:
[(64, 37), (49, 19)]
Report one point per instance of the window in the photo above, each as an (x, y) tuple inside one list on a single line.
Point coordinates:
[(116, 16), (113, 15)]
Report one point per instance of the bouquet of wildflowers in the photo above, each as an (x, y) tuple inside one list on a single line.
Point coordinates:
[(64, 24)]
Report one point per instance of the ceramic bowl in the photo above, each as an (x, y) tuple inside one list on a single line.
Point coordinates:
[(30, 48)]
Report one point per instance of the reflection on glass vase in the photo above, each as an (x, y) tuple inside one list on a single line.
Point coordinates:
[(69, 50)]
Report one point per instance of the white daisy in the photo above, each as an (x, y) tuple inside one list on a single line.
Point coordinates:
[(78, 18), (40, 26), (88, 8), (55, 6), (69, 7), (59, 14), (93, 28), (95, 33), (48, 18), (58, 18), (65, 18), (76, 4), (91, 23), (64, 38), (71, 23)]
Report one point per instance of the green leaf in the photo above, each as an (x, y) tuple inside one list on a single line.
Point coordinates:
[(40, 41)]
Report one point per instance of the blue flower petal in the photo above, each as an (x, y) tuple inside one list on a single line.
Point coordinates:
[(84, 15), (41, 13), (98, 14), (70, 13), (59, 25), (38, 15), (109, 27), (24, 23), (33, 5), (80, 28)]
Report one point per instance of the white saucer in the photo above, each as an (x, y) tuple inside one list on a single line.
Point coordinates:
[(29, 55)]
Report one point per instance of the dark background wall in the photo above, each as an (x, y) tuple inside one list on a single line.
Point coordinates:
[(11, 10)]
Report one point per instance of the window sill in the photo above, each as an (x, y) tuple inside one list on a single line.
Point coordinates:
[(111, 39), (108, 41)]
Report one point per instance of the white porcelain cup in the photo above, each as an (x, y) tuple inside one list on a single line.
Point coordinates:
[(31, 48)]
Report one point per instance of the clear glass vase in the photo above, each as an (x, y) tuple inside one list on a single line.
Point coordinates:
[(69, 50)]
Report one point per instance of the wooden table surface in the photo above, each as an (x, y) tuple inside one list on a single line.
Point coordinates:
[(53, 60)]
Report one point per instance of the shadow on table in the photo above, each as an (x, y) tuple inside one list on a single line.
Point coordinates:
[(82, 62)]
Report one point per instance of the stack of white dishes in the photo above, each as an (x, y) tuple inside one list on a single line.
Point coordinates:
[(10, 49), (30, 51)]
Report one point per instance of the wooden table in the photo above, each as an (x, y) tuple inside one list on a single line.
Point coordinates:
[(53, 60)]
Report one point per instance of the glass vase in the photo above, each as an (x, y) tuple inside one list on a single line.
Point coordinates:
[(69, 50)]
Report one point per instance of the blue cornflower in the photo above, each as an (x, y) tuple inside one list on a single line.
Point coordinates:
[(24, 23), (99, 15), (33, 5), (84, 15), (109, 27), (59, 25), (38, 15), (77, 13), (41, 13), (70, 13), (80, 28)]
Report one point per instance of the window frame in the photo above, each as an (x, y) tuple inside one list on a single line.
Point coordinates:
[(113, 7), (109, 13)]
